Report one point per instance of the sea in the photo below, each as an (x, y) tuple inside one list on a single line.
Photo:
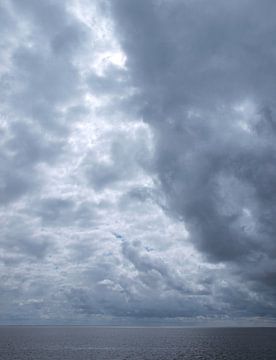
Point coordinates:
[(143, 343)]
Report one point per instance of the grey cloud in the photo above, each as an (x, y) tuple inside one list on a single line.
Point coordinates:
[(12, 185), (48, 16), (18, 242), (108, 302), (55, 210), (38, 79), (114, 80), (155, 269), (70, 38), (140, 195), (24, 148), (66, 212), (126, 155), (48, 81), (194, 64), (6, 20), (28, 149), (144, 190)]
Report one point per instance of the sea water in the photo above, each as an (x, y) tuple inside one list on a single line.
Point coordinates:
[(118, 343)]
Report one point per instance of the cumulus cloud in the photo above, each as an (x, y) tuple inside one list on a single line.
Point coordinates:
[(137, 161), (205, 75)]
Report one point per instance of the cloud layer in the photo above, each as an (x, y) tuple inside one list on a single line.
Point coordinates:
[(137, 162)]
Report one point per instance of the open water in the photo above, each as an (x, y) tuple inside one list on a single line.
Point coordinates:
[(118, 343)]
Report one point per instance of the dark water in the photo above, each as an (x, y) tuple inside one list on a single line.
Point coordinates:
[(83, 343)]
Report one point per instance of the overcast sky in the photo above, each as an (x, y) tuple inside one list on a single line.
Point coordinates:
[(138, 162)]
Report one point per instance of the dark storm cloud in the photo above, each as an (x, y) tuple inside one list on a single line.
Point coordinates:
[(205, 73)]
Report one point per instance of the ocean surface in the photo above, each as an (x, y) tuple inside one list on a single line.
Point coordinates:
[(86, 343)]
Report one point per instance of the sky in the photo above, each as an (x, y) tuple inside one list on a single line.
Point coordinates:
[(138, 162)]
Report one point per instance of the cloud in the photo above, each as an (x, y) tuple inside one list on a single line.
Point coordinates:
[(205, 77), (137, 145)]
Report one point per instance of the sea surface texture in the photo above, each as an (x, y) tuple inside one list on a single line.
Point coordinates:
[(117, 343)]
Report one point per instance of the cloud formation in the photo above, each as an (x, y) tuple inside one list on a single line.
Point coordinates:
[(206, 76), (137, 173)]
